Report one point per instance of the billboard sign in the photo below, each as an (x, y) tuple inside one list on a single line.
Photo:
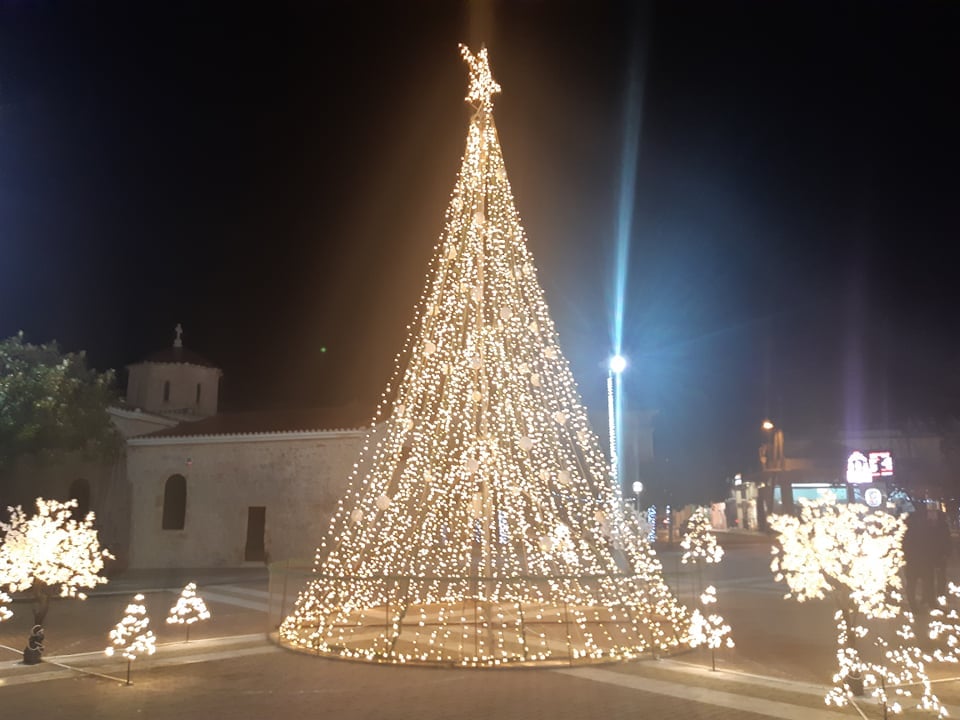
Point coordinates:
[(858, 469), (873, 497), (881, 463)]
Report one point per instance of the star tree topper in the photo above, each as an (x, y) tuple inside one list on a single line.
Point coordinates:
[(482, 84)]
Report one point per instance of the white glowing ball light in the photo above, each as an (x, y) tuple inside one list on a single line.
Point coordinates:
[(5, 613), (190, 609), (699, 544), (131, 637)]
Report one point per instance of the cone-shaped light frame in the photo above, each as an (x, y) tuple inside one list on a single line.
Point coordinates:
[(481, 526)]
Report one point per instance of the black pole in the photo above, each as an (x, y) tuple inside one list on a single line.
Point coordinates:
[(128, 671)]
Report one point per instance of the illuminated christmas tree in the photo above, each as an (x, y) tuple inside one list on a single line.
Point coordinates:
[(709, 628), (131, 637), (190, 609), (481, 525), (699, 544)]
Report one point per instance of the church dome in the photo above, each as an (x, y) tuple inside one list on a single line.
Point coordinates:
[(175, 382), (178, 355)]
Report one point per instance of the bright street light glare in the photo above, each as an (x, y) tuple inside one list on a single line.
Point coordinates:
[(617, 364), (767, 425), (637, 487)]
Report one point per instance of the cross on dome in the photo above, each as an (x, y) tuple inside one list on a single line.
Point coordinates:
[(482, 84)]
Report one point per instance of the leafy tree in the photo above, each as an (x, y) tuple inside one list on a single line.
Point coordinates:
[(51, 401), (50, 553)]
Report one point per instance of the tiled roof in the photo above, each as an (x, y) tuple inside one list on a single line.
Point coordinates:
[(178, 355), (271, 421)]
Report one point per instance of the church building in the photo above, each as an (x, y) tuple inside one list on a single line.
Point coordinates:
[(210, 489)]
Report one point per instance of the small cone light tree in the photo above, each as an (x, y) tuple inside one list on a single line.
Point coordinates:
[(481, 526), (853, 555), (5, 613), (699, 544), (190, 609), (50, 553), (708, 628), (131, 637)]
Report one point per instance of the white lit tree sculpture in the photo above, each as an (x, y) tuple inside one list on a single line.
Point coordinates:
[(709, 628), (5, 613), (190, 609), (481, 525), (853, 555), (699, 544), (132, 636), (50, 553)]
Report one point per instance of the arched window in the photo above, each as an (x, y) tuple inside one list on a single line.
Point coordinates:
[(166, 391), (198, 393), (174, 502), (80, 491)]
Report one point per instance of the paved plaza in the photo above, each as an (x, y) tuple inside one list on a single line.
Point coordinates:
[(780, 667)]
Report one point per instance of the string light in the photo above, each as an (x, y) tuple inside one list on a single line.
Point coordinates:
[(5, 613), (480, 526), (652, 523)]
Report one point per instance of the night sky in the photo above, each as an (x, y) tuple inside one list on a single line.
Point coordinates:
[(273, 176)]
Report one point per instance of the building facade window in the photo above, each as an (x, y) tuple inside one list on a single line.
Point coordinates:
[(166, 391), (175, 502), (198, 393)]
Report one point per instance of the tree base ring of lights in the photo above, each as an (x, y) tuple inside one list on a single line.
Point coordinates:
[(496, 629)]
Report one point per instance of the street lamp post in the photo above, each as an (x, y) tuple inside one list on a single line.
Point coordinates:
[(773, 462), (637, 489), (617, 365)]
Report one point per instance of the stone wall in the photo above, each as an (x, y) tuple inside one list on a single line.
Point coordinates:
[(60, 476), (297, 477), (146, 381)]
